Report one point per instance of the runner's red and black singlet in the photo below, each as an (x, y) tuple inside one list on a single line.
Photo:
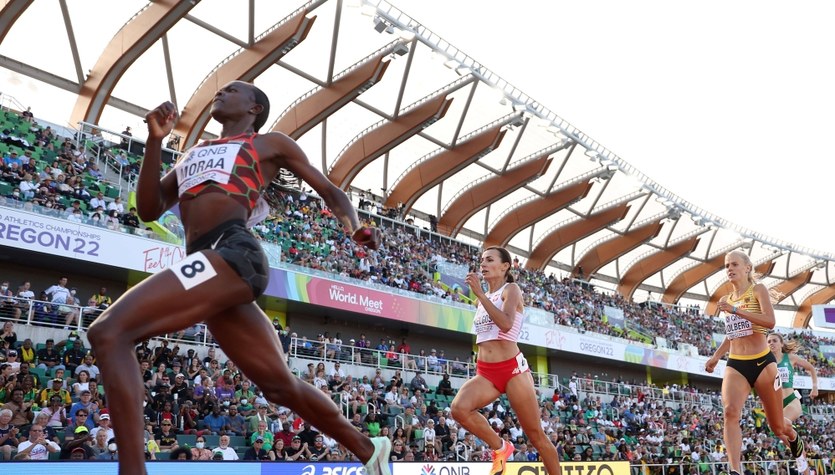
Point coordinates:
[(228, 165)]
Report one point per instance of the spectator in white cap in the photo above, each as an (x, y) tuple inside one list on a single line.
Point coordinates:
[(104, 425)]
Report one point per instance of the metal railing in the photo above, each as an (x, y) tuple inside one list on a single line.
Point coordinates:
[(73, 316), (387, 359), (673, 395), (31, 207)]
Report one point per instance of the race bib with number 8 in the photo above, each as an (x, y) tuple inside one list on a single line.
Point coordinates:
[(194, 270)]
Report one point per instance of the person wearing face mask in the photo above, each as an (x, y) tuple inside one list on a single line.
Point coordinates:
[(16, 195), (75, 217), (8, 304), (96, 220), (199, 451)]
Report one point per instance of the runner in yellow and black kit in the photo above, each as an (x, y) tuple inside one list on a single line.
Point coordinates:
[(748, 317)]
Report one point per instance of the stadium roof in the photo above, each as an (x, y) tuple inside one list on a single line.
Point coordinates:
[(382, 104)]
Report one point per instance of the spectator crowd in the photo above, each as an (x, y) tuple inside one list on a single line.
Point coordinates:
[(199, 408)]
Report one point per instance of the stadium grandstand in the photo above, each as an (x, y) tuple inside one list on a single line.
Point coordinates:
[(621, 276)]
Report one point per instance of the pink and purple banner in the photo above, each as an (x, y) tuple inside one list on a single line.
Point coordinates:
[(355, 298)]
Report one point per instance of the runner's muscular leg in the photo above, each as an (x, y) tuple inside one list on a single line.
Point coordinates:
[(735, 390), (793, 411), (522, 397), (473, 395), (159, 304), (772, 400), (247, 337)]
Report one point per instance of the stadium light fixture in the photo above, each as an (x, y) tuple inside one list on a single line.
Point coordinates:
[(380, 25), (400, 49)]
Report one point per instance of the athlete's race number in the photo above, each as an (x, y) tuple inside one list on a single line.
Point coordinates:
[(194, 270)]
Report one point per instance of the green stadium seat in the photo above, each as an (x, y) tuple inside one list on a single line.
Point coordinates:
[(212, 441), (40, 373), (186, 439)]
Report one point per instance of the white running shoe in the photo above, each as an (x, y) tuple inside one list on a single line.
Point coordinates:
[(378, 464), (802, 463)]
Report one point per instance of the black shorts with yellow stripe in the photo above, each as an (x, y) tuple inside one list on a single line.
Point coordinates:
[(751, 366)]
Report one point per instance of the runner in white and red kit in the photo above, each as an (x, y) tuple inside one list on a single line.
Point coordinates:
[(501, 366)]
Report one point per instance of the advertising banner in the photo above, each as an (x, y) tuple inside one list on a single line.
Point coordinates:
[(56, 236), (440, 468), (99, 467), (569, 468), (558, 338), (307, 468), (824, 316), (356, 298), (614, 316)]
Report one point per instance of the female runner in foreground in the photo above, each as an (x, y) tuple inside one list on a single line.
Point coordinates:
[(786, 358), (501, 367), (217, 184), (749, 315)]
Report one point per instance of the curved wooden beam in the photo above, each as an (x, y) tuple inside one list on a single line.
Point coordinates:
[(318, 106), (436, 168), (378, 141), (804, 310), (618, 245), (789, 287), (477, 197), (564, 236), (9, 13), (129, 43), (246, 65), (652, 263), (691, 277), (712, 307), (532, 211)]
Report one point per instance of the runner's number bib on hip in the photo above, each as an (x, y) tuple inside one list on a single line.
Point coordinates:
[(194, 270), (783, 372)]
